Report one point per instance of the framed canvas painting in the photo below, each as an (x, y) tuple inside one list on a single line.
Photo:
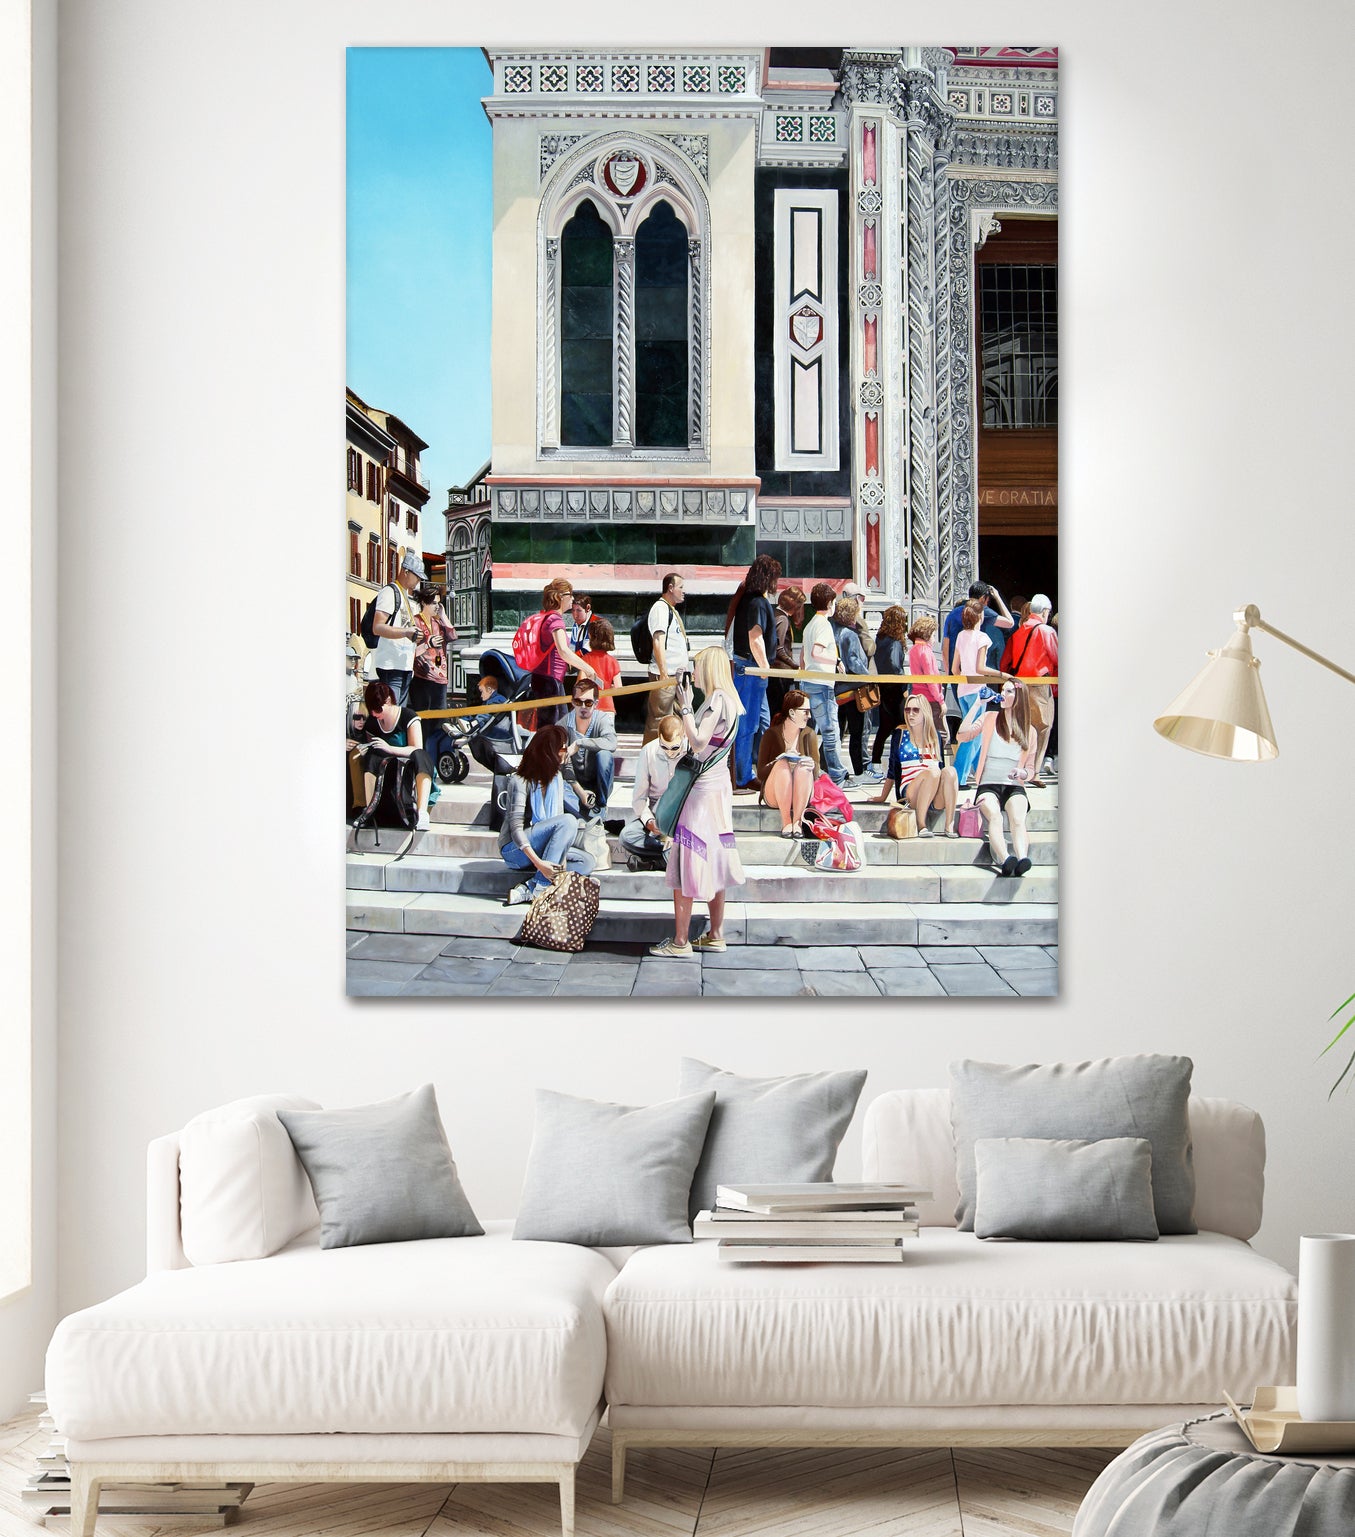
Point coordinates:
[(701, 521)]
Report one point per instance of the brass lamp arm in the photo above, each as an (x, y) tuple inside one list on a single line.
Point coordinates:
[(1250, 618)]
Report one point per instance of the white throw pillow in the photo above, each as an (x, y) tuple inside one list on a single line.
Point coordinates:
[(243, 1193)]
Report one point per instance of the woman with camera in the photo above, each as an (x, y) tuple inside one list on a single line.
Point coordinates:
[(703, 861), (1008, 748)]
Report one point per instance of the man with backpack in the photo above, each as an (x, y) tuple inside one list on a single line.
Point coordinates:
[(388, 627), (541, 646), (662, 635)]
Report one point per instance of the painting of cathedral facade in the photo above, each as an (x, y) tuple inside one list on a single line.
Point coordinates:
[(794, 304)]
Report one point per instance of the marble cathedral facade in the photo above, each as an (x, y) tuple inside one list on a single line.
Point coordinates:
[(735, 310)]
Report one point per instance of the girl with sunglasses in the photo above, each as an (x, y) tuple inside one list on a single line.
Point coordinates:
[(915, 766), (788, 761)]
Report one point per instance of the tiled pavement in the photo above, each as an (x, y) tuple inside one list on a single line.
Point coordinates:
[(411, 965)]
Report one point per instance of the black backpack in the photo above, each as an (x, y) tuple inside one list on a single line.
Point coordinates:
[(370, 638), (392, 803), (642, 639)]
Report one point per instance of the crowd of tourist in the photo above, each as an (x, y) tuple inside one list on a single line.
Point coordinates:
[(713, 716)]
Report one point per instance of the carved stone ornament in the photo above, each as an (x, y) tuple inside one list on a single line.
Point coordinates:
[(624, 174), (696, 147), (806, 328), (868, 77), (553, 145)]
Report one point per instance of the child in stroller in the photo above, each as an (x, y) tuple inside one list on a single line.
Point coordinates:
[(486, 738)]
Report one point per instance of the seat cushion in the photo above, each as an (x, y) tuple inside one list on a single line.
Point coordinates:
[(441, 1335), (960, 1322)]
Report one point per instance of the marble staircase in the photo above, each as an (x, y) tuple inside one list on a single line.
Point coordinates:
[(924, 891)]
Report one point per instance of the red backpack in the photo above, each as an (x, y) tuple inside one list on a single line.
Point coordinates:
[(528, 651)]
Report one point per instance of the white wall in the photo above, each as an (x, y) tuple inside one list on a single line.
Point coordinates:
[(1207, 400), (28, 1140)]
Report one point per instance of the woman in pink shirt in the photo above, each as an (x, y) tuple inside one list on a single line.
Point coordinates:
[(970, 657)]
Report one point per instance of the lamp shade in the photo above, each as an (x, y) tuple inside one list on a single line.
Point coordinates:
[(1222, 711)]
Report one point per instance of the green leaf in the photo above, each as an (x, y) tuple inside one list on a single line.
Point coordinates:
[(1345, 1071)]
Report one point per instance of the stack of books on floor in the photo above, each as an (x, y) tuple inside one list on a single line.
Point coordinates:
[(807, 1224), (47, 1493)]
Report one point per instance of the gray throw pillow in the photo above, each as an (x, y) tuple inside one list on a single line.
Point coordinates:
[(381, 1173), (769, 1131), (1142, 1096), (1056, 1190), (602, 1174)]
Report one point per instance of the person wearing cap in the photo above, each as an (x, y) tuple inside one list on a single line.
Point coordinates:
[(395, 630)]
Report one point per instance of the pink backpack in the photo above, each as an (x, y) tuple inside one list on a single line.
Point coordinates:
[(528, 651), (829, 801)]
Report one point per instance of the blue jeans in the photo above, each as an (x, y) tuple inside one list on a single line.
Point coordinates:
[(553, 841), (823, 709), (596, 771), (398, 681), (752, 694)]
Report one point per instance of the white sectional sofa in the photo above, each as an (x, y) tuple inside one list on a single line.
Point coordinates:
[(490, 1359)]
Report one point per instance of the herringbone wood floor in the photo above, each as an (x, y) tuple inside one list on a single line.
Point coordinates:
[(802, 1493)]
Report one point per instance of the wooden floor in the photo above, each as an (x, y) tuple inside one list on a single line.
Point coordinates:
[(811, 1493)]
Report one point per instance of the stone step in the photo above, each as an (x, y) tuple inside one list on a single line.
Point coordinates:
[(467, 805), (793, 888), (450, 840), (750, 923)]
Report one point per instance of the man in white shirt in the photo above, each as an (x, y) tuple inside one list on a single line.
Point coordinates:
[(582, 613), (672, 659), (820, 655), (640, 837), (395, 630)]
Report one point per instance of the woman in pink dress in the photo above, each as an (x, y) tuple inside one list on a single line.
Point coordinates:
[(703, 860)]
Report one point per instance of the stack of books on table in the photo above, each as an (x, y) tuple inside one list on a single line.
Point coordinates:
[(806, 1224), (47, 1491)]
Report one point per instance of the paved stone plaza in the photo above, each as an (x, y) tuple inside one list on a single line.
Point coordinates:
[(415, 965)]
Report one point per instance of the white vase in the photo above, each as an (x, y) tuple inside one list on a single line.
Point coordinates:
[(1326, 1347)]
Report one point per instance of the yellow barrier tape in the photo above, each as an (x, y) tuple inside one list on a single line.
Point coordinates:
[(834, 679)]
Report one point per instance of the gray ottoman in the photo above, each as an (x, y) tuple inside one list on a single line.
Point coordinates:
[(1204, 1477)]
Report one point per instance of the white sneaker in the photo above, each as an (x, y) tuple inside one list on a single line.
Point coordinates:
[(422, 824), (517, 896), (670, 947)]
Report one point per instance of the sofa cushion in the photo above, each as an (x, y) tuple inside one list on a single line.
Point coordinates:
[(465, 1334), (1142, 1096), (242, 1191), (382, 1173), (906, 1137), (1059, 1190), (600, 1173), (769, 1130), (959, 1322)]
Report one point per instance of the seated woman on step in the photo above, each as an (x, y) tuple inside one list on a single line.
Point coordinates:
[(541, 819), (393, 731), (788, 761), (1006, 766), (915, 766)]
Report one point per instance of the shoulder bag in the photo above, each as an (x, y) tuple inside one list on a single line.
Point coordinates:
[(562, 916)]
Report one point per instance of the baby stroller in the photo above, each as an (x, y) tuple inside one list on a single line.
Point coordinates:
[(454, 742)]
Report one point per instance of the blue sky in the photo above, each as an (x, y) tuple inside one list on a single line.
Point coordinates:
[(419, 235)]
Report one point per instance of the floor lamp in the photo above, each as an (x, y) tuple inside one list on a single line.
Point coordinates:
[(1222, 711)]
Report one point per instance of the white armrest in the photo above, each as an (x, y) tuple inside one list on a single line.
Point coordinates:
[(164, 1249)]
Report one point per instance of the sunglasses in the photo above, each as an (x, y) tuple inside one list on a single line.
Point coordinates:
[(584, 704)]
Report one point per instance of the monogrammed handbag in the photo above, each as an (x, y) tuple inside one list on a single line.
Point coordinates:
[(562, 916)]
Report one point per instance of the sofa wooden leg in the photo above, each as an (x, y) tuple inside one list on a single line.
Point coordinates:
[(618, 1468), (84, 1503), (567, 1502)]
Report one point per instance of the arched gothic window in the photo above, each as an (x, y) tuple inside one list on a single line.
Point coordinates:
[(624, 360), (661, 351), (586, 328)]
